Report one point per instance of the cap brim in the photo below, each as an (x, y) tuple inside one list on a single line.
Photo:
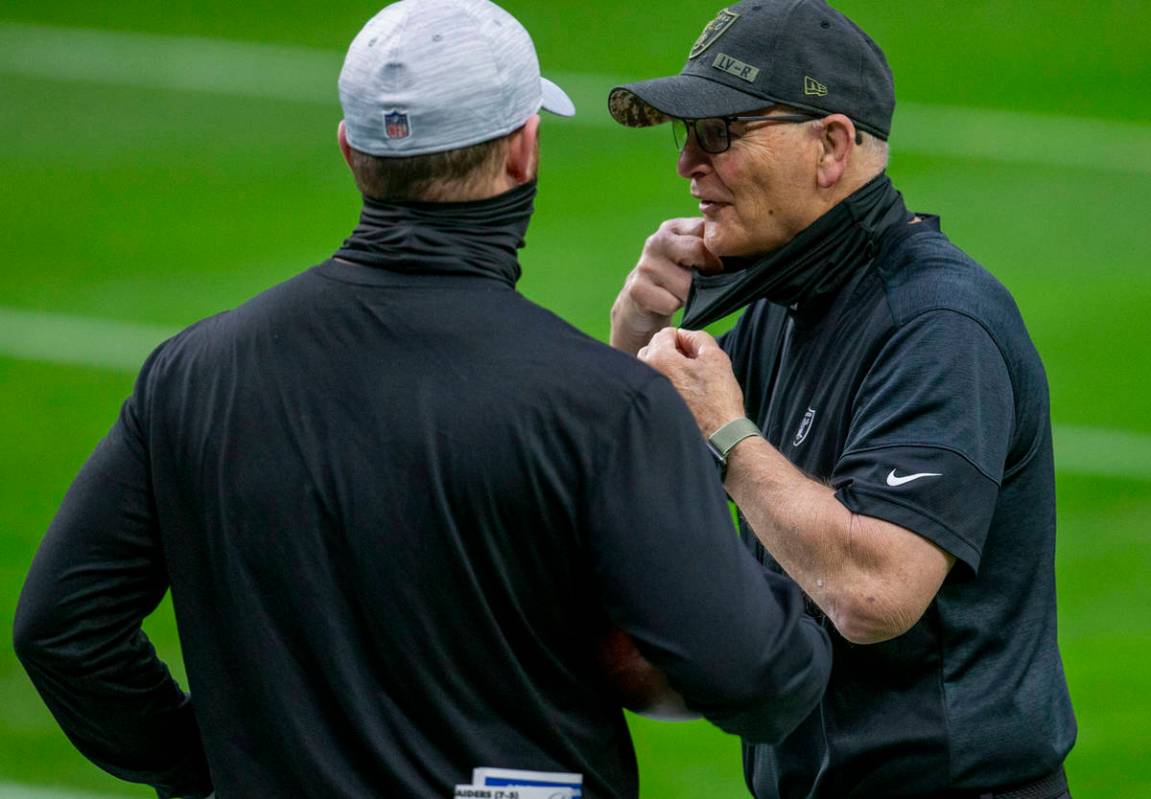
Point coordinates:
[(556, 100), (652, 102)]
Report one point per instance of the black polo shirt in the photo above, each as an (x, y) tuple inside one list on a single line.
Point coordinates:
[(917, 393)]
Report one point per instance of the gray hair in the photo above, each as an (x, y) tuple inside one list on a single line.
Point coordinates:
[(875, 152)]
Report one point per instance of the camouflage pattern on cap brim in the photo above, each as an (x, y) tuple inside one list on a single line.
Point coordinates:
[(628, 109)]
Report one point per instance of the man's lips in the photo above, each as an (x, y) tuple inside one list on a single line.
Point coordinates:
[(711, 206)]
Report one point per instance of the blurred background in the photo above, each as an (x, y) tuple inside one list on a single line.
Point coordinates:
[(160, 162)]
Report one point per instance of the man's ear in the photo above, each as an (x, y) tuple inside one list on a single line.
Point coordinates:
[(345, 148), (521, 163), (837, 141)]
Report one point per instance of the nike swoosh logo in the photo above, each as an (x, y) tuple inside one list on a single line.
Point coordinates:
[(893, 481)]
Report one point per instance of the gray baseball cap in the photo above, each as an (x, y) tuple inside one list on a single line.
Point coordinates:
[(425, 76)]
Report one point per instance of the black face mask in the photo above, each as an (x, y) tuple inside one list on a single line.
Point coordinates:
[(475, 237), (816, 262)]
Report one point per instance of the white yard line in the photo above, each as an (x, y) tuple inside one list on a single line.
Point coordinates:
[(77, 340), (123, 346), (1103, 453), (246, 69), (308, 75), (11, 790)]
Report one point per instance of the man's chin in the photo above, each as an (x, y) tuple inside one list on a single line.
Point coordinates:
[(721, 243), (733, 246)]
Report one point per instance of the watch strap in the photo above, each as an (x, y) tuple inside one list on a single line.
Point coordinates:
[(725, 438)]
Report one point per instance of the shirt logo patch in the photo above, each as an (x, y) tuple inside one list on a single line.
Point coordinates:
[(714, 29), (895, 481), (813, 88), (396, 125), (804, 427)]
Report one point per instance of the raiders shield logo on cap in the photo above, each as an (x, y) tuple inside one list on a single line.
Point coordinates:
[(396, 125), (716, 28)]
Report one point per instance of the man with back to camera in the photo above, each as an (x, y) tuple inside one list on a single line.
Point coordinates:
[(394, 524), (903, 476)]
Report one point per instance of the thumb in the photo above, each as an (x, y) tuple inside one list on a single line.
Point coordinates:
[(702, 258), (691, 342), (711, 263)]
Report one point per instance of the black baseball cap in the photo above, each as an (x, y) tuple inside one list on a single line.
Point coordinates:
[(800, 53)]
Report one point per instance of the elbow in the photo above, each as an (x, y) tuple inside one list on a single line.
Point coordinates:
[(35, 638), (866, 620), (781, 696), (27, 640)]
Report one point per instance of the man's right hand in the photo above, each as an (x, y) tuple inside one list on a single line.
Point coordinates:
[(659, 284)]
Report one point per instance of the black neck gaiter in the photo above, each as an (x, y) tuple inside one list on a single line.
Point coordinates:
[(816, 262), (476, 237)]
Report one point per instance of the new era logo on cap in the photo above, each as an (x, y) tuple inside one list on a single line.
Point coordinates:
[(813, 88)]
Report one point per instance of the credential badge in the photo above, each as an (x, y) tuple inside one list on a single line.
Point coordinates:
[(804, 427), (396, 125), (716, 28)]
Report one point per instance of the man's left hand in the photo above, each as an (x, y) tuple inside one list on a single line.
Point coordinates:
[(701, 371)]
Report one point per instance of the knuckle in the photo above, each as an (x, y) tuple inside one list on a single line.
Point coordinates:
[(652, 300)]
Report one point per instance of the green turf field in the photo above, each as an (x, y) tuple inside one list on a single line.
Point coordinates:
[(152, 181)]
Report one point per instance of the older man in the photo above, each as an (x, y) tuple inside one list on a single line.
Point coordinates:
[(903, 476), (396, 529)]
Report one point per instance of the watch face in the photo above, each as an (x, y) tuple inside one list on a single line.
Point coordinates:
[(715, 453)]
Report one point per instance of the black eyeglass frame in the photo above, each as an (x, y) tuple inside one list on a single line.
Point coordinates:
[(689, 127)]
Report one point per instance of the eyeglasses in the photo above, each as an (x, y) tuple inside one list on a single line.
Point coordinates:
[(713, 134)]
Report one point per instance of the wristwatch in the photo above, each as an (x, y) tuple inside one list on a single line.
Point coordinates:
[(723, 440)]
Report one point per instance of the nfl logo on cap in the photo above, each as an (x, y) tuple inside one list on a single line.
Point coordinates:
[(396, 125)]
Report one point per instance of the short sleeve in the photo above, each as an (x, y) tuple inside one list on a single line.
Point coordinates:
[(930, 430)]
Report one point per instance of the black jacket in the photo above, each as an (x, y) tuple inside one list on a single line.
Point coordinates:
[(396, 509)]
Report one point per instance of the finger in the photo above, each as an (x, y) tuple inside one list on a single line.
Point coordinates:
[(662, 289), (685, 226), (685, 250), (711, 263), (694, 342), (681, 241), (659, 348), (688, 232), (685, 343), (664, 339)]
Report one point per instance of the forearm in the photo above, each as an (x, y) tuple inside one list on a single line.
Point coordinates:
[(158, 746), (835, 556), (109, 693)]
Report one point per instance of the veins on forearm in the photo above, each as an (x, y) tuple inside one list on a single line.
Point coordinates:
[(797, 519)]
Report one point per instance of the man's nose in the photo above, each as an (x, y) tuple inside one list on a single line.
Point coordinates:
[(693, 161)]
